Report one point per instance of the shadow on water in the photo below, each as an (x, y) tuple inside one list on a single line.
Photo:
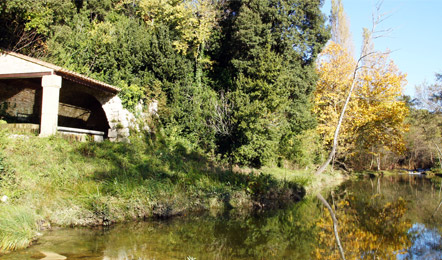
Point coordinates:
[(278, 234)]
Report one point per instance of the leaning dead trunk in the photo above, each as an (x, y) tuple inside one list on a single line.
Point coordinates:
[(338, 127)]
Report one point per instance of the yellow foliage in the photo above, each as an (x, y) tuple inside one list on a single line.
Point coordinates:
[(193, 20), (375, 117), (382, 234), (335, 69)]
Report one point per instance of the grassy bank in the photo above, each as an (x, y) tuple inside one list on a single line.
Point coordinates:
[(53, 181)]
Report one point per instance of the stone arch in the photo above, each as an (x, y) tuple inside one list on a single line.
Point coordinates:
[(106, 110), (78, 109)]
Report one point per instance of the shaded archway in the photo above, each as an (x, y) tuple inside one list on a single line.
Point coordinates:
[(79, 108)]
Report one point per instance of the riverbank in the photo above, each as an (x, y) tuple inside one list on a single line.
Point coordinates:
[(53, 181)]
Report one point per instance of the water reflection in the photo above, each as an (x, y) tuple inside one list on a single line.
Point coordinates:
[(427, 244), (377, 220), (368, 229)]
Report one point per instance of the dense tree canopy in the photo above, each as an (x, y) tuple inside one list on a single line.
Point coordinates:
[(235, 79), (267, 58), (232, 77)]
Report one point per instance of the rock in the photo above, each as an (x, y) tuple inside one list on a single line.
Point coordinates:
[(52, 256)]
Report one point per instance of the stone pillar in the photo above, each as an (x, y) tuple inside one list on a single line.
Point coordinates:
[(49, 109)]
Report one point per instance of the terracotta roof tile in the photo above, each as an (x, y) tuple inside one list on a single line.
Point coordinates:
[(68, 73)]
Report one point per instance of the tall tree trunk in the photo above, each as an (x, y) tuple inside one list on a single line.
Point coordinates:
[(378, 161), (198, 69)]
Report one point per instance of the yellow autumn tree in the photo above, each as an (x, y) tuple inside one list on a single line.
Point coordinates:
[(335, 68), (374, 121), (380, 114)]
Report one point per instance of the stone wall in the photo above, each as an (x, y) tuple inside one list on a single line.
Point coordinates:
[(120, 119), (76, 112), (20, 100)]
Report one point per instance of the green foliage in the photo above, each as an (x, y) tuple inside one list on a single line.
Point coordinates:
[(304, 149), (423, 140), (111, 50), (233, 78), (27, 24), (267, 49), (131, 95)]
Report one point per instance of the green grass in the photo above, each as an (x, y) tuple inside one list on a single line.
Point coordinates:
[(306, 178), (17, 227), (393, 172), (69, 183)]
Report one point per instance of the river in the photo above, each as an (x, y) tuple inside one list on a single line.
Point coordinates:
[(386, 217)]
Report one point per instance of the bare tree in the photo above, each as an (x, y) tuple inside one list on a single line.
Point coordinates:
[(429, 96), (221, 121)]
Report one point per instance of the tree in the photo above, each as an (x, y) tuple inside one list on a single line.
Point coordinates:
[(340, 27), (380, 124), (375, 115), (429, 96), (423, 139), (25, 25), (376, 81), (268, 51), (118, 45), (335, 70)]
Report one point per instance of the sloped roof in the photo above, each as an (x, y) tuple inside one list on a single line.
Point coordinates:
[(64, 73)]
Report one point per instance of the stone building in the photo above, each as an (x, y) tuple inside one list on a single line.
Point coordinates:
[(58, 100)]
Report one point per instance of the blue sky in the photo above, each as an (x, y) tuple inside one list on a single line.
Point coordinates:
[(416, 39)]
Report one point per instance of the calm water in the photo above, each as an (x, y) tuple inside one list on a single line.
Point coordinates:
[(387, 218)]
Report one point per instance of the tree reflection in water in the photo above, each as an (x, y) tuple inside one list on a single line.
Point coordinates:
[(376, 216), (375, 222), (368, 229)]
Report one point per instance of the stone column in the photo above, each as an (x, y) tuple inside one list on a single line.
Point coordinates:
[(49, 108)]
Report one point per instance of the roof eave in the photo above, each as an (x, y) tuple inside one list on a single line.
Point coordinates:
[(68, 74)]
